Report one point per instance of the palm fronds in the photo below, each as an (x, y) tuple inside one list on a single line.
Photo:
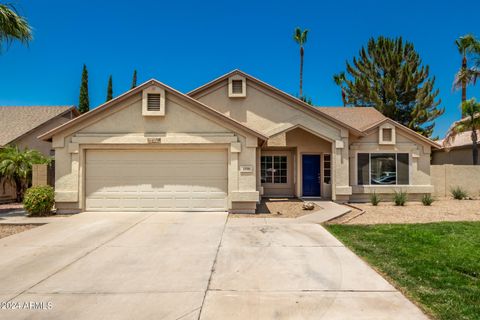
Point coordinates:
[(13, 26)]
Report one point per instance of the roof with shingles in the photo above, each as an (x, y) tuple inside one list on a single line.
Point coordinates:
[(360, 118), (15, 121)]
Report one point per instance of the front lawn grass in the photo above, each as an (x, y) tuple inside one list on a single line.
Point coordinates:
[(436, 265)]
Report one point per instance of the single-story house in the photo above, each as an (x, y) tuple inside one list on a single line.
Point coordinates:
[(458, 152), (21, 126), (225, 145)]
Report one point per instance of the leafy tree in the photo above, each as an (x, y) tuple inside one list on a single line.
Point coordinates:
[(84, 101), (389, 76), (467, 45), (339, 80), (109, 89), (300, 37), (16, 166), (13, 26), (134, 79), (471, 123)]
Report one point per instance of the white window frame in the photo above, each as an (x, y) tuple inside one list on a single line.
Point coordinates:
[(330, 168), (273, 173), (396, 169)]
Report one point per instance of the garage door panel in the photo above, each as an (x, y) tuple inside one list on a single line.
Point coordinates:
[(132, 180)]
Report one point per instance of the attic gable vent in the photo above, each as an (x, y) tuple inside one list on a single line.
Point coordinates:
[(237, 86), (386, 134), (153, 101)]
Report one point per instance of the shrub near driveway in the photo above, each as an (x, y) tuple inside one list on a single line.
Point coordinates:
[(39, 201), (436, 264)]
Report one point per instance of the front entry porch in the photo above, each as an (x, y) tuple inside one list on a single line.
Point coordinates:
[(296, 163)]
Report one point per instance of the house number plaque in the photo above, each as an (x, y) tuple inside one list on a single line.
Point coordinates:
[(246, 168), (154, 140)]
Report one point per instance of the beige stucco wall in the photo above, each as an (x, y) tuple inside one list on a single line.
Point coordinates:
[(419, 168), (460, 156), (185, 126), (273, 115), (446, 177), (31, 141)]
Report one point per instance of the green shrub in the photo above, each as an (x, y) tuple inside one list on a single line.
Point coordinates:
[(400, 198), (374, 199), (427, 199), (39, 200), (458, 193)]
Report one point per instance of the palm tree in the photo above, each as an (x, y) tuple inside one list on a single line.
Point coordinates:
[(466, 45), (339, 80), (13, 26), (16, 166), (471, 123), (300, 37)]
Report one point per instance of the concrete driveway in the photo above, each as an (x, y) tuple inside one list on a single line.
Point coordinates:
[(188, 266)]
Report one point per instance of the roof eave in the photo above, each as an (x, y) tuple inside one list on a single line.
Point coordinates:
[(48, 135)]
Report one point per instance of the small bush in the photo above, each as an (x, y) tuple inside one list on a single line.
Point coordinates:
[(400, 198), (427, 199), (458, 193), (374, 199), (39, 201)]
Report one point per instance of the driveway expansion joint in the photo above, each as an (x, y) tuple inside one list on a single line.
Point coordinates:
[(212, 270)]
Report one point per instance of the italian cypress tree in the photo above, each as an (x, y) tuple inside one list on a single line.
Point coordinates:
[(109, 89), (389, 76), (83, 101), (134, 79)]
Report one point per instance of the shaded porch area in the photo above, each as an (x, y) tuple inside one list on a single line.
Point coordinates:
[(296, 163)]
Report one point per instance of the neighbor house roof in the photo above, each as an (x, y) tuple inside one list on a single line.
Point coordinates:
[(16, 121), (360, 118), (463, 139)]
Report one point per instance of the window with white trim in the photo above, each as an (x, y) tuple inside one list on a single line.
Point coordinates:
[(327, 172), (383, 169), (274, 169)]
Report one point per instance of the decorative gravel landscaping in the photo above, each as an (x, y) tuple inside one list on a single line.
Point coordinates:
[(9, 229), (278, 208), (437, 265), (414, 212)]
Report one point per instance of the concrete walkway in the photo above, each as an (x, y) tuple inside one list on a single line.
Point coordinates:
[(189, 266), (330, 210)]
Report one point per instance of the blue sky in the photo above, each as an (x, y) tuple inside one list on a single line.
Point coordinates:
[(187, 43)]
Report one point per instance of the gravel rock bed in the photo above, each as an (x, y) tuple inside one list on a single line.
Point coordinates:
[(415, 212)]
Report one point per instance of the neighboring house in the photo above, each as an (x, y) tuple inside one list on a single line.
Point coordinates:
[(20, 125), (225, 145), (458, 152)]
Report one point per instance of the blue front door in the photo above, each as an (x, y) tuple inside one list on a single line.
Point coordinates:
[(311, 175)]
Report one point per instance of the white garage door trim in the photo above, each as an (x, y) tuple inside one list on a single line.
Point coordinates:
[(156, 180)]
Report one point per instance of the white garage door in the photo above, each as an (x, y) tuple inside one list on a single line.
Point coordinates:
[(139, 180)]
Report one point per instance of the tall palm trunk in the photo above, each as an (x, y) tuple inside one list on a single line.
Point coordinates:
[(18, 188), (474, 146), (464, 82), (301, 71)]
